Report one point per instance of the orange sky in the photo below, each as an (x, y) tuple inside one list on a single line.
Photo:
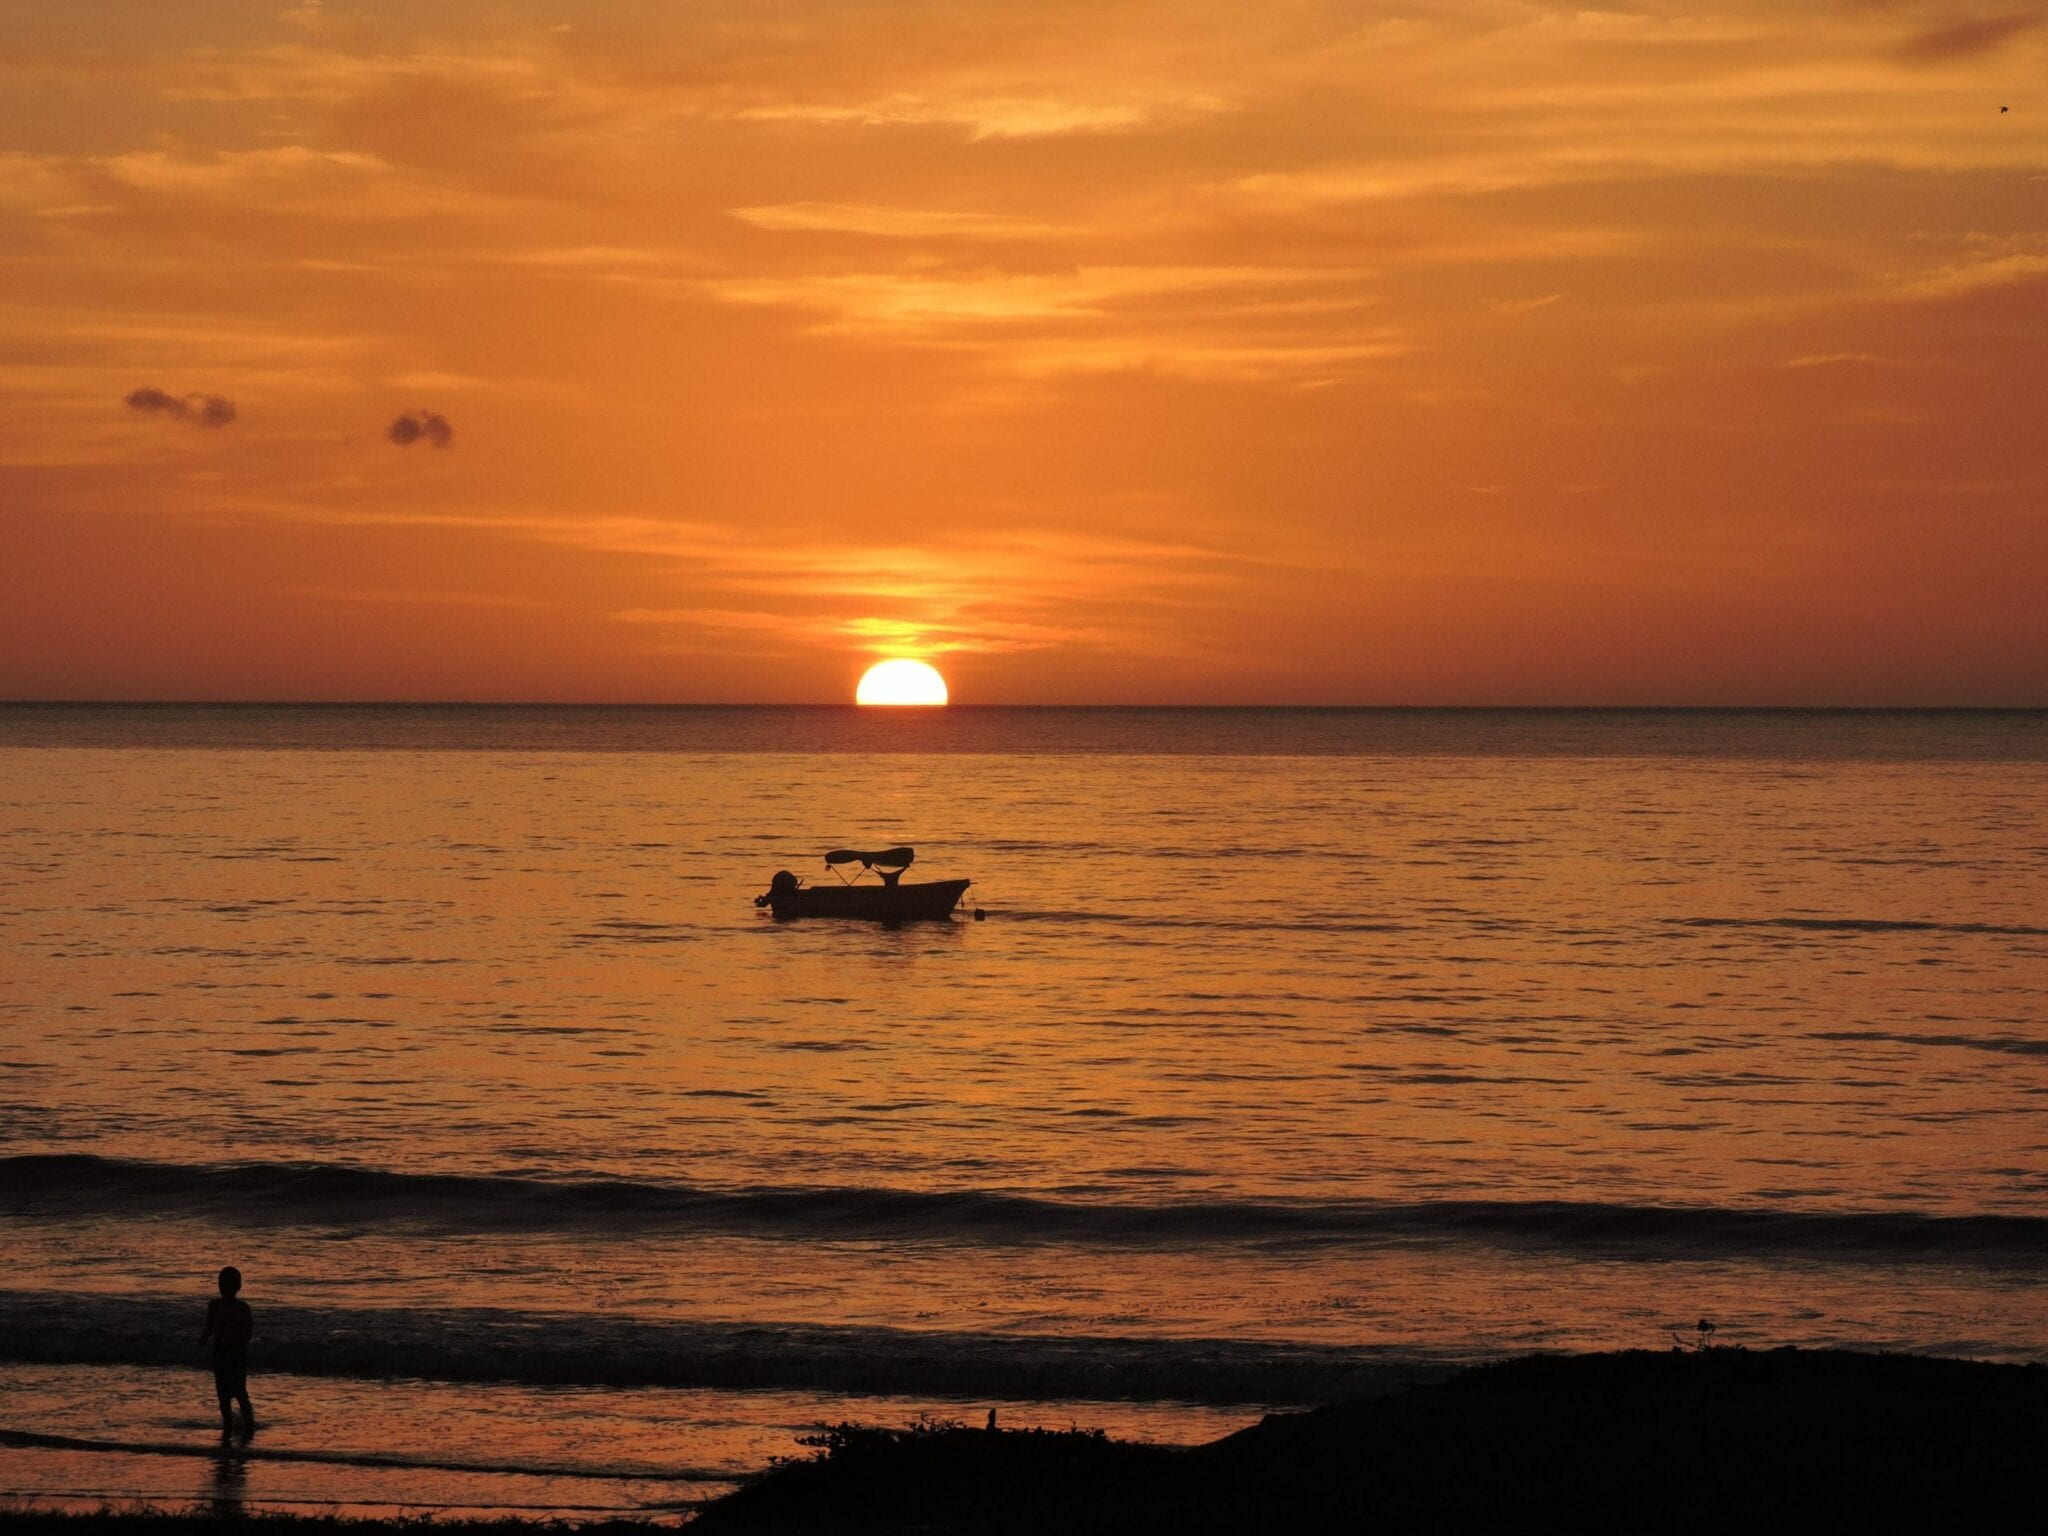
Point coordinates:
[(1455, 351)]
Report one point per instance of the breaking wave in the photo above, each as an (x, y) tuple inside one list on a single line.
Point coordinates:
[(60, 1187), (603, 1350)]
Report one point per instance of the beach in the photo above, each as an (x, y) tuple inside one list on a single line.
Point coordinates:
[(1303, 1057), (1709, 1439)]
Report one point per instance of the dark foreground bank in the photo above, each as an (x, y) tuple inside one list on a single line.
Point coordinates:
[(1724, 1439), (1721, 1440)]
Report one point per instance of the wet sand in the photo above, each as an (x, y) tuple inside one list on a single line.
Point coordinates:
[(1679, 1440)]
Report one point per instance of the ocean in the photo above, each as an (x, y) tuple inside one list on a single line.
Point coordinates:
[(1300, 1053)]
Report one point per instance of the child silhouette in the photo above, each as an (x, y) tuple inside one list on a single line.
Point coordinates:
[(229, 1323)]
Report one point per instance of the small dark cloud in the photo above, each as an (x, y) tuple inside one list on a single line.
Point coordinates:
[(200, 410), (421, 426), (1968, 39)]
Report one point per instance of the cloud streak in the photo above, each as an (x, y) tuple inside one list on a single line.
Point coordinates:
[(1969, 39), (198, 409)]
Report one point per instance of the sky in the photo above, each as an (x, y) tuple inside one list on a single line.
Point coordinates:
[(1096, 351)]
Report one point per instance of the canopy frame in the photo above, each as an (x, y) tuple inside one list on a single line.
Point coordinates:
[(887, 864)]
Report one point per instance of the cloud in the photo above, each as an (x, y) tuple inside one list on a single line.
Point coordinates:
[(200, 410), (1256, 323), (422, 595), (988, 117), (970, 591), (890, 222), (421, 426), (1841, 360), (1512, 307), (2001, 268), (1968, 39)]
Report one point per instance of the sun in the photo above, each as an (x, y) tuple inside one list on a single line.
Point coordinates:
[(901, 682)]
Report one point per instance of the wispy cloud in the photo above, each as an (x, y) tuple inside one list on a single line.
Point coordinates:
[(893, 222), (1842, 360), (1969, 39), (962, 593), (994, 116), (1216, 322), (927, 298), (1512, 307), (421, 597), (1990, 264)]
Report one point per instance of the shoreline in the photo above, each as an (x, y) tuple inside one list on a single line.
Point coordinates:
[(1681, 1439)]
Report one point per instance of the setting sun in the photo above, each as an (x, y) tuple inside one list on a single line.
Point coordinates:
[(901, 682)]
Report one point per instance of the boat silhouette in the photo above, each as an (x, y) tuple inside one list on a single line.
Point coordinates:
[(889, 901)]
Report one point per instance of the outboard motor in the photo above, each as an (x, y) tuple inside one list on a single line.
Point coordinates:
[(783, 884)]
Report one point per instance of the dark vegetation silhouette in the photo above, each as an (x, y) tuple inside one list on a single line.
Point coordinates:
[(1702, 1337), (1696, 1439)]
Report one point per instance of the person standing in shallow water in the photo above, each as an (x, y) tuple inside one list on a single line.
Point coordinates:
[(229, 1324)]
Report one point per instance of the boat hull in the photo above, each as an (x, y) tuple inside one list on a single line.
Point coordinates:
[(873, 903)]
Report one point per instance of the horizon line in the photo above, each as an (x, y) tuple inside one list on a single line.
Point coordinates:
[(886, 709)]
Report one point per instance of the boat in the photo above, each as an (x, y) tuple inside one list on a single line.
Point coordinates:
[(889, 901)]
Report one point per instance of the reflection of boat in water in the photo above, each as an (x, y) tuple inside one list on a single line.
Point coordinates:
[(889, 902)]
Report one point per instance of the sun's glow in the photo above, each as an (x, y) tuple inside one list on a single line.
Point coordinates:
[(901, 681)]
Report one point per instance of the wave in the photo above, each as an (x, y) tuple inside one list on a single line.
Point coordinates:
[(71, 1186), (1862, 925), (601, 1350), (1232, 924), (2011, 1045)]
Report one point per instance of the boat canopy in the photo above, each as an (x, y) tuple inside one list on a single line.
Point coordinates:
[(885, 858)]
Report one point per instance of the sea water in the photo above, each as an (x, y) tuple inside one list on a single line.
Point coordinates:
[(1300, 1053)]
